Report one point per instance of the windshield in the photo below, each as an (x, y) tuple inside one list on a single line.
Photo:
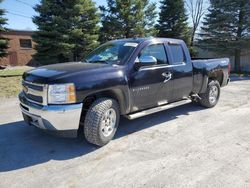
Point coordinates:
[(115, 52)]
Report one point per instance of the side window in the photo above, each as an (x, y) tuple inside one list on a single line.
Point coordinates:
[(177, 53), (157, 51)]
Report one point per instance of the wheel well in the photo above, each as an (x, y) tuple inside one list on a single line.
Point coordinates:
[(88, 101), (217, 76)]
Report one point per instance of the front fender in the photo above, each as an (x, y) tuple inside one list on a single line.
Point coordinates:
[(113, 88)]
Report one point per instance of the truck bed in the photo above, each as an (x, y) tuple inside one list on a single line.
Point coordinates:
[(207, 68)]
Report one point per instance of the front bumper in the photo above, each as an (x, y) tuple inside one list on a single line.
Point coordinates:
[(51, 117)]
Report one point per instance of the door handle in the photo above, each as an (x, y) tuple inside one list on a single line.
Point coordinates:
[(168, 76)]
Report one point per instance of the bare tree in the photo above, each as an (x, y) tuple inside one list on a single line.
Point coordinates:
[(196, 10)]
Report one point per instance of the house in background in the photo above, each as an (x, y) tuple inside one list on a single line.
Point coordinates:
[(21, 48)]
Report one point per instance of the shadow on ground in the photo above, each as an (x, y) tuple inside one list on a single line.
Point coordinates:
[(23, 146)]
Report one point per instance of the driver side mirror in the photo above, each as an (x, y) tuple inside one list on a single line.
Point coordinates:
[(145, 61)]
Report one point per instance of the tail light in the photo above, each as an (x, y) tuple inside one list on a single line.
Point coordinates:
[(229, 68)]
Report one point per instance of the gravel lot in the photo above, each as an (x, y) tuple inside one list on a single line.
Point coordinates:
[(188, 146)]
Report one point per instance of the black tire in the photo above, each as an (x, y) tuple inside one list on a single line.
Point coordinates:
[(205, 97), (93, 129)]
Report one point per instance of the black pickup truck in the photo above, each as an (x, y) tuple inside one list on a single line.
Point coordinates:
[(129, 77)]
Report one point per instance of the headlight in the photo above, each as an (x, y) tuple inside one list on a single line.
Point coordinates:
[(61, 94)]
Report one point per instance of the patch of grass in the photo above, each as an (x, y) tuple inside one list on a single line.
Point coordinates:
[(11, 72), (10, 86)]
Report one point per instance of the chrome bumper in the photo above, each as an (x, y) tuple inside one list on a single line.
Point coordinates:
[(51, 117)]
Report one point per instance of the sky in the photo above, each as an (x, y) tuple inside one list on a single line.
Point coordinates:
[(20, 12)]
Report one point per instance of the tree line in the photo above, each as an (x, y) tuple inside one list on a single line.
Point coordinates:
[(69, 29)]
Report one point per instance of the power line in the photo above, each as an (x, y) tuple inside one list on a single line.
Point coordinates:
[(16, 14), (25, 3)]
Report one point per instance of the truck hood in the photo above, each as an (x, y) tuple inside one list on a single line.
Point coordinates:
[(56, 72)]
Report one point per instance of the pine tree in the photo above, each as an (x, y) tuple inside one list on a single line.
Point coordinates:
[(67, 30), (127, 18), (227, 28), (172, 21), (3, 41)]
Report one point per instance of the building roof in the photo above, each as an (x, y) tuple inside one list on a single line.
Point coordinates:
[(18, 32)]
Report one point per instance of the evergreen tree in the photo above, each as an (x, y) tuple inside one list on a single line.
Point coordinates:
[(67, 30), (127, 18), (3, 41), (172, 21), (227, 28)]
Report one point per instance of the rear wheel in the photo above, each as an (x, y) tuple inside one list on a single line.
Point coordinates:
[(101, 121), (212, 95)]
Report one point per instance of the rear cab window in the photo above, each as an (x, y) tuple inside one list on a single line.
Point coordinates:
[(177, 53)]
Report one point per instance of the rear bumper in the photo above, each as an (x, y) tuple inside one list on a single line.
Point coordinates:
[(51, 117)]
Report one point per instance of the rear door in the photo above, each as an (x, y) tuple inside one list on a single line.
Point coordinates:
[(152, 85), (182, 70)]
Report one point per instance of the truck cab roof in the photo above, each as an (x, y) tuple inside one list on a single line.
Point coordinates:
[(144, 39)]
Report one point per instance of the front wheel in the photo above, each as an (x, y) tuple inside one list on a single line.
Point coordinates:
[(212, 95), (101, 121)]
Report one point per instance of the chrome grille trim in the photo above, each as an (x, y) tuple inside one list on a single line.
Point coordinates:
[(32, 101), (35, 92), (32, 83)]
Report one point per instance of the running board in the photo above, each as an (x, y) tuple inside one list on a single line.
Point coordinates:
[(157, 109)]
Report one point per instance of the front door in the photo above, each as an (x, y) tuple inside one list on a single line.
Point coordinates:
[(13, 58), (151, 85)]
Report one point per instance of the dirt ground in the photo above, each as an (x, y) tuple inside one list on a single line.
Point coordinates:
[(188, 146)]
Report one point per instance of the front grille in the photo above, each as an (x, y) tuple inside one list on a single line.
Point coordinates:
[(38, 99), (24, 107), (36, 93), (32, 86)]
